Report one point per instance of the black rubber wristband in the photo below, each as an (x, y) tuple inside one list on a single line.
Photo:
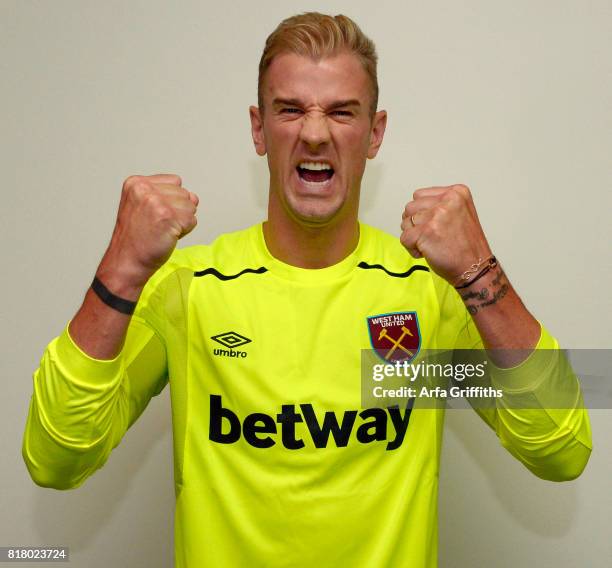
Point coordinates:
[(120, 304)]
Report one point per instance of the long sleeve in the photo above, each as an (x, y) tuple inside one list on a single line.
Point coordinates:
[(81, 407), (540, 417)]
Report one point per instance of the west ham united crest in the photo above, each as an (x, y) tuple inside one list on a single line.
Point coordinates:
[(396, 336)]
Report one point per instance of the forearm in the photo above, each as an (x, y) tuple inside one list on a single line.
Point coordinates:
[(98, 329), (508, 330)]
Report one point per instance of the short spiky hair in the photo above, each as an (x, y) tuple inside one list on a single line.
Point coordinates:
[(318, 35)]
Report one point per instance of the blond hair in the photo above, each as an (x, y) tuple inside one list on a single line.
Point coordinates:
[(318, 35)]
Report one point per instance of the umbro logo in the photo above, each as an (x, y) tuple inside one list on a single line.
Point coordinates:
[(232, 340)]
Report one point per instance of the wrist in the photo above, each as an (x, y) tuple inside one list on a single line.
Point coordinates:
[(121, 279), (477, 271), (485, 292), (485, 280)]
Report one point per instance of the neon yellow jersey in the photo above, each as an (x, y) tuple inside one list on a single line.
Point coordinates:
[(275, 462)]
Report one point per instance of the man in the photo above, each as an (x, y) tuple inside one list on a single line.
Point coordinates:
[(260, 337)]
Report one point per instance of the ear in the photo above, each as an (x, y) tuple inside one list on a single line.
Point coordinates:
[(379, 123), (257, 130)]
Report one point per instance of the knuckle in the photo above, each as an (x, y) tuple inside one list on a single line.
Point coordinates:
[(149, 198), (139, 187), (163, 212), (129, 184), (430, 229), (453, 200), (440, 210), (130, 180), (461, 189)]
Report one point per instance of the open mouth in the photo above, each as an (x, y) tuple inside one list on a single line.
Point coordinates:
[(315, 172)]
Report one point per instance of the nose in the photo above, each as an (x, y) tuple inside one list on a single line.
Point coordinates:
[(315, 131)]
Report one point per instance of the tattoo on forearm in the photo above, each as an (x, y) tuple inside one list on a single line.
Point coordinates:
[(498, 277), (481, 295), (484, 297)]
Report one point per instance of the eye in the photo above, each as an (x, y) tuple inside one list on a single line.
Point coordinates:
[(341, 113), (290, 110)]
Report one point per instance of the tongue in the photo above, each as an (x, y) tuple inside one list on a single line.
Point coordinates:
[(315, 175)]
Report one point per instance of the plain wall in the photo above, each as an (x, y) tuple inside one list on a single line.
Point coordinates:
[(512, 99)]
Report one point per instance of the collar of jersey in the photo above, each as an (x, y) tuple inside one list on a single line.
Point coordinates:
[(309, 275)]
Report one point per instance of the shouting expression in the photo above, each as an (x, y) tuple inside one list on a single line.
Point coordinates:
[(317, 130)]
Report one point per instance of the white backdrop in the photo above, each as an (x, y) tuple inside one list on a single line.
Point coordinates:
[(512, 99)]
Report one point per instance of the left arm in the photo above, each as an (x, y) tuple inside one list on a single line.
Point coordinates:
[(551, 438)]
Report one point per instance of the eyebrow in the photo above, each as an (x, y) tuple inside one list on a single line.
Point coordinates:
[(336, 104)]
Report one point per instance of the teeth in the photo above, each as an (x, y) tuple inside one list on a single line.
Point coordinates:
[(317, 166)]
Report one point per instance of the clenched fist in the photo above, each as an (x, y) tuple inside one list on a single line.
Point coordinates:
[(154, 213), (441, 225)]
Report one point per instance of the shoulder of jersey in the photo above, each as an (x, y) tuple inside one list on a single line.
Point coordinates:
[(386, 250), (229, 252)]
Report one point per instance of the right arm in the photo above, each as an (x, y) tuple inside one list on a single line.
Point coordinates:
[(96, 378)]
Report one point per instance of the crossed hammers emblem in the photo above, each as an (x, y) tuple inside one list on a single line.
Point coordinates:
[(397, 343)]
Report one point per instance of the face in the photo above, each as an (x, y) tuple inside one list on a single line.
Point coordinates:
[(317, 132)]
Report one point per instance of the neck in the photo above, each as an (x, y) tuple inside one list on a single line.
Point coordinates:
[(310, 247)]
